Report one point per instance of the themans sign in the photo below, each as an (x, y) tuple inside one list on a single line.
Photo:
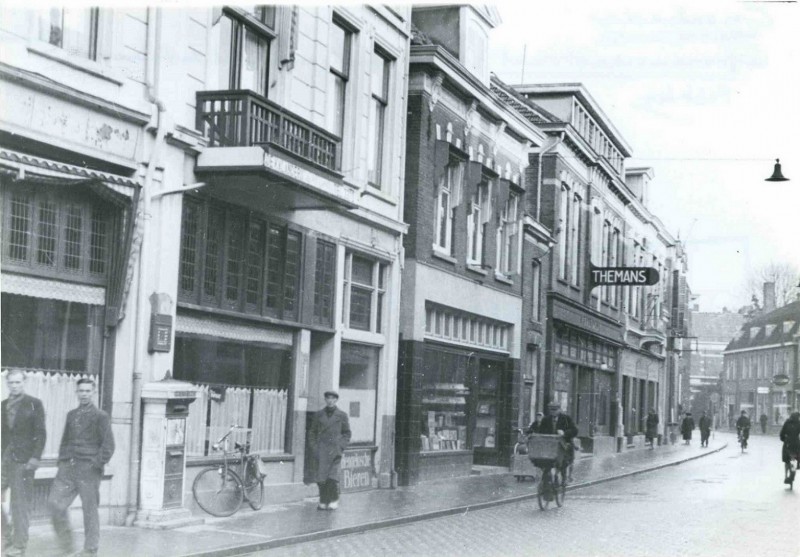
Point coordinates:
[(625, 276)]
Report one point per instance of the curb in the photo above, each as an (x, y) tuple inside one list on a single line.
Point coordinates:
[(403, 520)]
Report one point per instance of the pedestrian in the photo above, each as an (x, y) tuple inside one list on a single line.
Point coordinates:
[(705, 429), (534, 427), (687, 426), (763, 421), (23, 437), (86, 447), (651, 430), (328, 436), (743, 428), (790, 435)]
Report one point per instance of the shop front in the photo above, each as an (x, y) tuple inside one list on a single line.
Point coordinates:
[(584, 358)]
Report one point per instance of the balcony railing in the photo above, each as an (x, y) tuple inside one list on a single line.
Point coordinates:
[(242, 118)]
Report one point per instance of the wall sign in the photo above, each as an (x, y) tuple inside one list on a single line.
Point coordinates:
[(626, 276), (160, 333)]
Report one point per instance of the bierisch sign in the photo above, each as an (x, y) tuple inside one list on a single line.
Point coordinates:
[(356, 470), (625, 276)]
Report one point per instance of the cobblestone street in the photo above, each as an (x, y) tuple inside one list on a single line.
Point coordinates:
[(727, 504)]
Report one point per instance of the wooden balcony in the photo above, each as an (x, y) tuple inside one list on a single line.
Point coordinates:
[(242, 118)]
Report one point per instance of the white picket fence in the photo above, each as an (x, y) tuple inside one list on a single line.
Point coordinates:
[(57, 393), (210, 419)]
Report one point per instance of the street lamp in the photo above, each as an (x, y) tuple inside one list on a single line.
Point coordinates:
[(777, 175)]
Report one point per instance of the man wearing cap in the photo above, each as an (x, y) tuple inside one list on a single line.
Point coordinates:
[(558, 423), (328, 436)]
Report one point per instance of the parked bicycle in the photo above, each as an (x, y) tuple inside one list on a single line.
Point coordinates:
[(220, 489), (548, 453)]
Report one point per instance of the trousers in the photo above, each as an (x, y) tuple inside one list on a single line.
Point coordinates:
[(76, 478), (19, 482), (328, 491)]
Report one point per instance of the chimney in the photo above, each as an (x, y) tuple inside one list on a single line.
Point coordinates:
[(769, 297)]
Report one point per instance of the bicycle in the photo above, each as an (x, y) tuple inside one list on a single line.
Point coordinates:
[(220, 490), (743, 435), (547, 452)]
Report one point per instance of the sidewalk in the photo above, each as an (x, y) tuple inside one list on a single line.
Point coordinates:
[(279, 525)]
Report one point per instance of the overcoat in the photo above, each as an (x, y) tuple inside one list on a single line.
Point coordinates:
[(687, 425), (790, 435), (328, 436), (651, 431), (705, 423)]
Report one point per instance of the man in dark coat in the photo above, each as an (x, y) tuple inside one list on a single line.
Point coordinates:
[(23, 437), (763, 421), (328, 436), (705, 429), (651, 431), (743, 427), (790, 435), (687, 426), (558, 423), (86, 447)]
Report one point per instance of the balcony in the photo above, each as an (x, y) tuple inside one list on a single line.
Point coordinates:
[(242, 118)]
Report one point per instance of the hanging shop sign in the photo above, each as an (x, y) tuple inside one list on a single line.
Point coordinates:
[(624, 276), (780, 380)]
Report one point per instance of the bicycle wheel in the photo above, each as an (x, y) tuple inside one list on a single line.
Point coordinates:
[(253, 485), (545, 493), (559, 486), (218, 491)]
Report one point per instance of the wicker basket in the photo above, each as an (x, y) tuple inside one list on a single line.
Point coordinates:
[(544, 447)]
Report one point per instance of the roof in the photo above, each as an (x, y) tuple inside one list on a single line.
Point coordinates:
[(779, 334), (527, 108), (716, 326)]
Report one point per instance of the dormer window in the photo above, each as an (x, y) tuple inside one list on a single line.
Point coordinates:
[(754, 331), (769, 329), (787, 326)]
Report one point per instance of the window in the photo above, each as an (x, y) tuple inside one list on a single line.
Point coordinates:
[(450, 188), (536, 284), (324, 280), (245, 48), (358, 389), (74, 29), (563, 233), (50, 233), (377, 130), (364, 291), (478, 211), (614, 261), (340, 41), (575, 244), (507, 237), (234, 259), (39, 333)]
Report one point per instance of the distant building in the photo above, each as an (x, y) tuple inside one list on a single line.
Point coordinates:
[(761, 366)]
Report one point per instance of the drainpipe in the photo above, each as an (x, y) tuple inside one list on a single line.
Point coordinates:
[(153, 40)]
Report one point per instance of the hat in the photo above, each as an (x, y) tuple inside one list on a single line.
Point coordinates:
[(540, 413), (334, 394)]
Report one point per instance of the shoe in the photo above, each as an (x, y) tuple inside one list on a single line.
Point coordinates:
[(785, 480), (333, 505), (322, 507)]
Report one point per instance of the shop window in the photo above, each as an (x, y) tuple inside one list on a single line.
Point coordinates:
[(324, 282), (236, 260), (48, 233), (381, 66), (73, 30), (245, 48), (45, 334), (444, 402), (240, 382), (364, 293), (358, 389), (339, 47)]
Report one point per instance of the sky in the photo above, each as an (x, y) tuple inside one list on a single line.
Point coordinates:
[(707, 94)]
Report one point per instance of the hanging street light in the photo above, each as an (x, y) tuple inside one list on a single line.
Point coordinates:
[(777, 176)]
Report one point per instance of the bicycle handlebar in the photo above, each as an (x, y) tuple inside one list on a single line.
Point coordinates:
[(216, 446)]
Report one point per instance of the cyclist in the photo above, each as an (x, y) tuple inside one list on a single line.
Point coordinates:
[(559, 423), (743, 428), (790, 435)]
